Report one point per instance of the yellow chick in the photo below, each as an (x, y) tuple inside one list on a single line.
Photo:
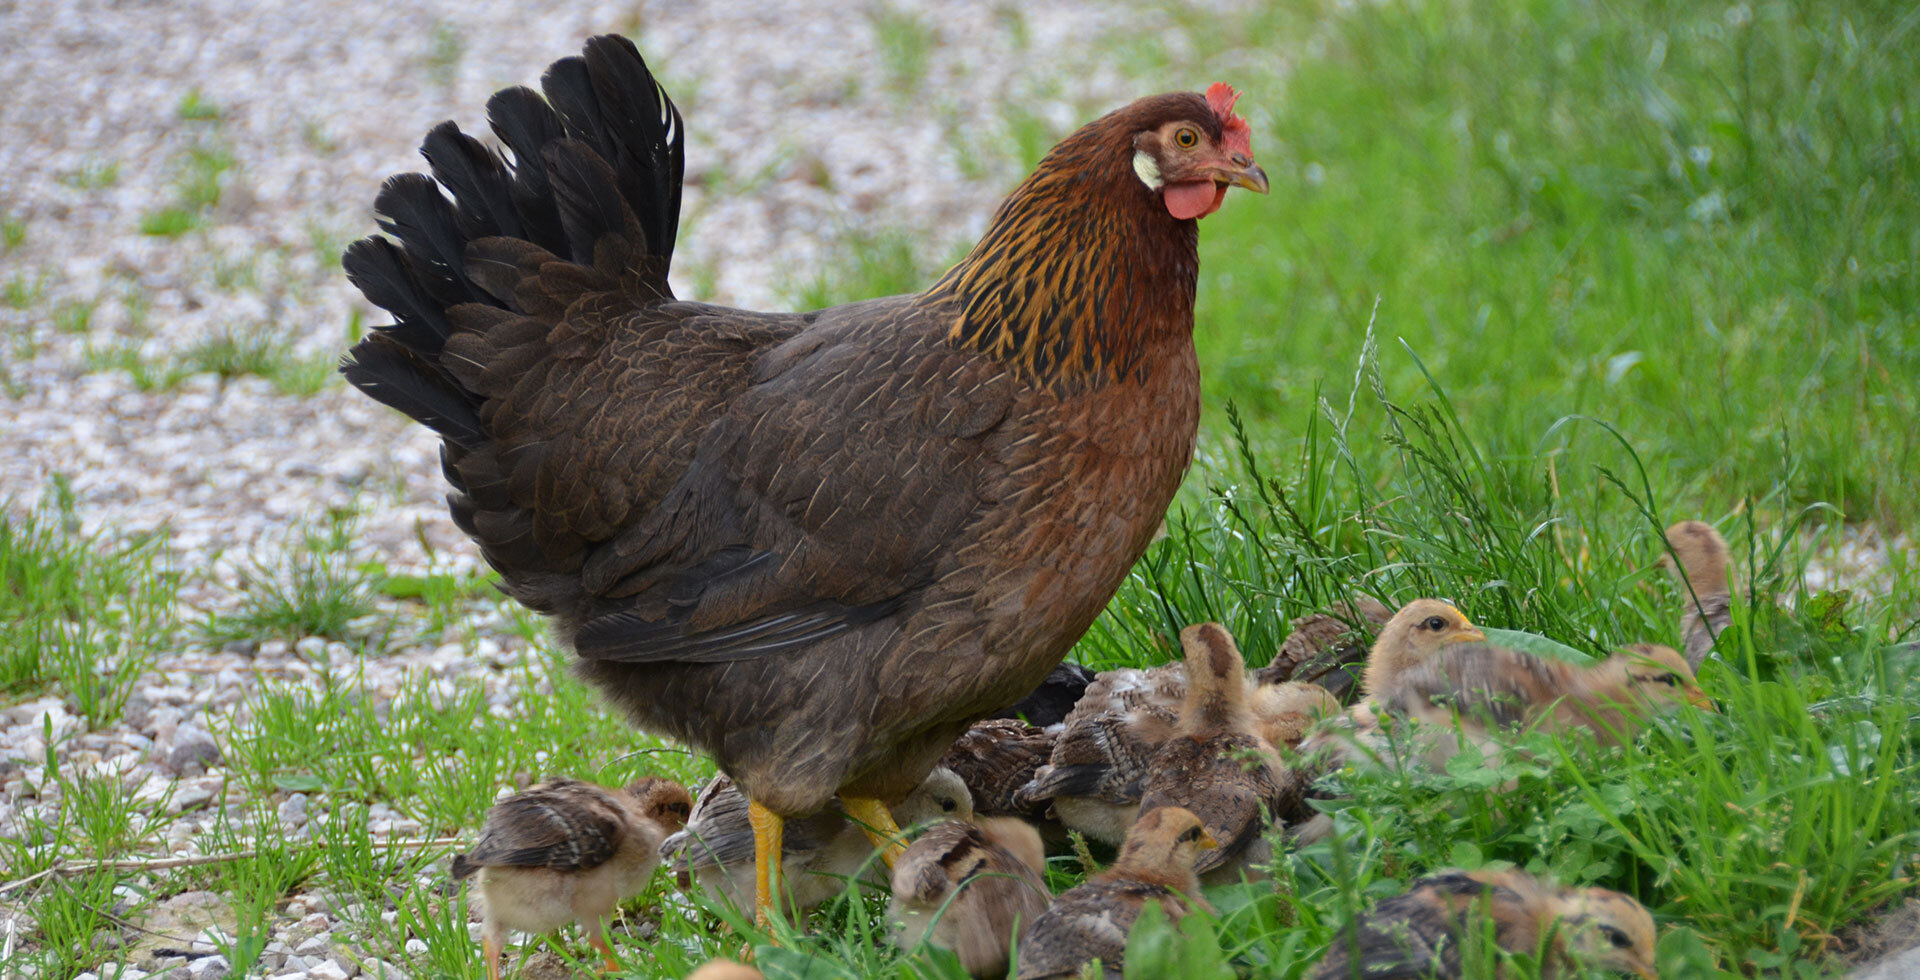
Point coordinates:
[(1415, 633), (567, 851), (971, 887), (820, 853), (1421, 933), (1091, 920)]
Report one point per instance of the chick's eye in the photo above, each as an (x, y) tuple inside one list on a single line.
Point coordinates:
[(1669, 680), (948, 805), (1191, 835), (1616, 937), (1435, 623), (1186, 138)]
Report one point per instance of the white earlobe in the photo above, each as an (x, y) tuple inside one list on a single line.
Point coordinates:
[(1148, 170)]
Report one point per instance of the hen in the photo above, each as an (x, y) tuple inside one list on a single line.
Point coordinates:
[(815, 545)]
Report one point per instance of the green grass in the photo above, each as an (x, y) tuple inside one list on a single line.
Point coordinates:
[(80, 615)]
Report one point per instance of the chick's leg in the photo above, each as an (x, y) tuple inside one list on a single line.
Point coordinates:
[(874, 818), (490, 943), (598, 940), (768, 829)]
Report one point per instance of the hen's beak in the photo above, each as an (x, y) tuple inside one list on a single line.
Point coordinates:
[(1249, 176), (1467, 635)]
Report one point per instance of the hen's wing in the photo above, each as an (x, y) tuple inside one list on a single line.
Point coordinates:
[(563, 825)]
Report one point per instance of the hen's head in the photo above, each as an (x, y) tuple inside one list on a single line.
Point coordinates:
[(1188, 149)]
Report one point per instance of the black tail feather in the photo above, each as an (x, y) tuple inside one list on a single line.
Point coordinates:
[(395, 376), (482, 188), (598, 161), (526, 124)]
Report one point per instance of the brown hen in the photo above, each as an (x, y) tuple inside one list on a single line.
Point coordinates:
[(815, 545)]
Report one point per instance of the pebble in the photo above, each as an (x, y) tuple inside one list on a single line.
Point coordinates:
[(327, 970), (213, 967)]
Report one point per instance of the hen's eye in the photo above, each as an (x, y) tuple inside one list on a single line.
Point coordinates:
[(1435, 623), (1186, 138)]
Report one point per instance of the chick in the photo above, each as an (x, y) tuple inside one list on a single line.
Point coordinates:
[(1326, 648), (995, 758), (1216, 764), (1491, 687), (1102, 755), (1284, 713), (1705, 591), (1091, 921), (971, 887), (725, 970), (820, 853), (1415, 633), (1421, 934), (1049, 703), (567, 851)]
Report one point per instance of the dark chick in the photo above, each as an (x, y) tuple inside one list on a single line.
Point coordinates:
[(971, 887), (1091, 921), (1216, 764), (996, 758), (1421, 934), (567, 851), (814, 545)]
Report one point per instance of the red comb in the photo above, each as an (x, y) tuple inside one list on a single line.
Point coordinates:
[(1237, 135)]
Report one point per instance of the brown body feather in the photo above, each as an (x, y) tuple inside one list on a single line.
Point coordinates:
[(1092, 920), (814, 545)]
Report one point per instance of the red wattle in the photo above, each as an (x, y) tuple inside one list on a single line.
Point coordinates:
[(1194, 198)]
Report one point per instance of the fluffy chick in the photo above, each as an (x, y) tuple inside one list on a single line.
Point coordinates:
[(567, 851), (1491, 687), (995, 758), (1420, 934), (1284, 713), (1415, 633), (1706, 593), (971, 887), (1091, 921), (820, 853), (725, 970), (1217, 765), (1328, 648), (1104, 751)]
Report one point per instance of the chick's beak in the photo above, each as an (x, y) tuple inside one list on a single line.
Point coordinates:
[(1466, 635), (1645, 972), (1207, 843), (1699, 699)]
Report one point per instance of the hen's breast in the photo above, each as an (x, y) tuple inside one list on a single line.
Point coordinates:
[(1087, 482)]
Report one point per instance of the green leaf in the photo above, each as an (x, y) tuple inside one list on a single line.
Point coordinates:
[(299, 782), (1537, 645)]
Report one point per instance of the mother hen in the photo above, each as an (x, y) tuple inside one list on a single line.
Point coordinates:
[(815, 545)]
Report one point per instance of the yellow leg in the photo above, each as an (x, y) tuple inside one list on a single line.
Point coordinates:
[(874, 818), (607, 963), (490, 948), (767, 833)]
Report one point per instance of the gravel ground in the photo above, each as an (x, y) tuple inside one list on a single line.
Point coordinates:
[(805, 124)]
